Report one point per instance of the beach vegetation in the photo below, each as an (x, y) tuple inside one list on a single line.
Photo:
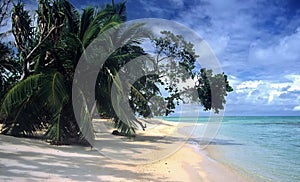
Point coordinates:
[(37, 74)]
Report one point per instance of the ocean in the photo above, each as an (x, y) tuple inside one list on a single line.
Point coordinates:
[(262, 148)]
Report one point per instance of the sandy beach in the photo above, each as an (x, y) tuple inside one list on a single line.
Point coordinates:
[(152, 156)]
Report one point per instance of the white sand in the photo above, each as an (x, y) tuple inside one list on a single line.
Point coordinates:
[(33, 160)]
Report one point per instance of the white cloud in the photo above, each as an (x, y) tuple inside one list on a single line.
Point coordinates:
[(284, 52), (296, 108), (274, 94), (248, 85), (279, 85), (266, 92), (255, 42), (296, 82), (251, 54), (233, 81)]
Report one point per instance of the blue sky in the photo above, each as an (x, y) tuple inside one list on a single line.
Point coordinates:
[(257, 42)]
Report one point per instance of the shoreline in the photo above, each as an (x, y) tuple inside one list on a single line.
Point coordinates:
[(204, 167), (213, 163), (214, 154), (34, 160)]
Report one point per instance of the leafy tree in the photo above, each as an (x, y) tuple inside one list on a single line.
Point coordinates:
[(109, 74), (173, 64), (9, 67), (50, 49), (173, 67), (174, 61), (212, 89)]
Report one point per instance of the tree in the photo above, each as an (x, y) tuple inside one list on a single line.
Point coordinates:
[(173, 66), (131, 37), (176, 58), (50, 50), (174, 62), (9, 67), (212, 89)]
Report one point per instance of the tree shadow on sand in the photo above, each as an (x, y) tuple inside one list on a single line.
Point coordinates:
[(33, 160)]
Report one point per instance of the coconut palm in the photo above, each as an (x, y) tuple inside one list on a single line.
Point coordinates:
[(50, 51)]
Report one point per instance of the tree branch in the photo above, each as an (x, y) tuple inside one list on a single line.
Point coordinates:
[(39, 44), (26, 69)]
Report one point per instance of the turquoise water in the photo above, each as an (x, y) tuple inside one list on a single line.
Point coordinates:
[(266, 148)]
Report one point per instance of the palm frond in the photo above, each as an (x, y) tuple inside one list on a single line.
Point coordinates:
[(22, 109), (113, 21), (85, 121), (133, 33), (125, 120), (53, 91), (72, 16), (32, 99), (55, 94), (20, 92), (86, 20)]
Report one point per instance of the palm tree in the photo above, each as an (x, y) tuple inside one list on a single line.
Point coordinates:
[(50, 52)]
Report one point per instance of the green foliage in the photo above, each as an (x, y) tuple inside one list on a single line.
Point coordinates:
[(22, 29), (29, 99), (173, 66), (212, 90), (174, 63), (115, 65), (124, 120), (49, 51), (9, 69)]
